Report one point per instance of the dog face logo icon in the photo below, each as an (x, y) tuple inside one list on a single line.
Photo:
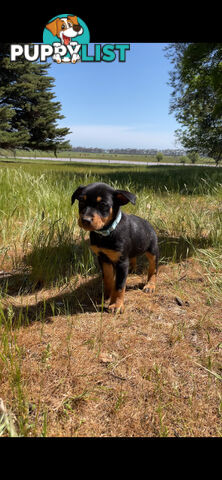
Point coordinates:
[(61, 32), (65, 28)]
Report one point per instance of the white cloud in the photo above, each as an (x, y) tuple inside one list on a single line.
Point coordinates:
[(121, 136)]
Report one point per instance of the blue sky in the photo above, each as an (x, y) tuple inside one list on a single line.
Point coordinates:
[(118, 104)]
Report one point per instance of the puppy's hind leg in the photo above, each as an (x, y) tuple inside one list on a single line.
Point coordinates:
[(152, 258), (132, 265)]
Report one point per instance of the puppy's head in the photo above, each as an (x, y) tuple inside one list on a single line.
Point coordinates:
[(99, 204), (65, 28)]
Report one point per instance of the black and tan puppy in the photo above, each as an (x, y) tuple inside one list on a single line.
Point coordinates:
[(116, 238)]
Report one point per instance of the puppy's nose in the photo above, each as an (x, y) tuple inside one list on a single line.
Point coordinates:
[(76, 27), (86, 220)]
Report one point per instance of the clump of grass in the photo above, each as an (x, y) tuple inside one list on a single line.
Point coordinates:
[(54, 259), (6, 422), (211, 260)]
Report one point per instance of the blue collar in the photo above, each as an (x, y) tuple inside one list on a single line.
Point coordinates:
[(112, 227)]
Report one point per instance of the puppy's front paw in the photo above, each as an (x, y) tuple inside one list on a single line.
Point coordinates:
[(117, 301), (75, 58), (149, 287), (57, 58), (116, 307)]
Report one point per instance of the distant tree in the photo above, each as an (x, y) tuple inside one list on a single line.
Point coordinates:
[(27, 108), (193, 157), (159, 157), (196, 80)]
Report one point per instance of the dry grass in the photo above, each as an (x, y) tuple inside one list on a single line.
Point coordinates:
[(148, 372)]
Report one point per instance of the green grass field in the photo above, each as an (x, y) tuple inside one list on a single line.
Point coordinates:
[(68, 368), (9, 154)]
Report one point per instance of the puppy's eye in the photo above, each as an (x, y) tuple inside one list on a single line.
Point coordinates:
[(63, 26), (81, 203), (103, 205), (69, 24)]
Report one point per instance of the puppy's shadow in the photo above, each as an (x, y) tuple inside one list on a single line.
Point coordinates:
[(84, 298)]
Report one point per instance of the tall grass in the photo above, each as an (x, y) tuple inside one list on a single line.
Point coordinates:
[(38, 225)]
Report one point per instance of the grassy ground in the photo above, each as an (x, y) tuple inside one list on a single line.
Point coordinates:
[(69, 368)]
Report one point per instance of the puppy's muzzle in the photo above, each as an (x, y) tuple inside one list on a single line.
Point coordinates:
[(86, 220)]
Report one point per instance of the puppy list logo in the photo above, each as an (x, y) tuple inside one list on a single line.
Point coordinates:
[(66, 40)]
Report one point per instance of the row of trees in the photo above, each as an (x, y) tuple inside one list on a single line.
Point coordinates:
[(28, 112), (196, 101), (193, 157)]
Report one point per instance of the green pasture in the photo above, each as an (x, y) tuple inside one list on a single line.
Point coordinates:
[(15, 154)]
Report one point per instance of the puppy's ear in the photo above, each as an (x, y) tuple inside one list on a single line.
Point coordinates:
[(75, 195), (53, 26), (73, 19), (124, 197)]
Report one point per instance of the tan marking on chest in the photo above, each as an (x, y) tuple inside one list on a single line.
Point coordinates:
[(113, 255)]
